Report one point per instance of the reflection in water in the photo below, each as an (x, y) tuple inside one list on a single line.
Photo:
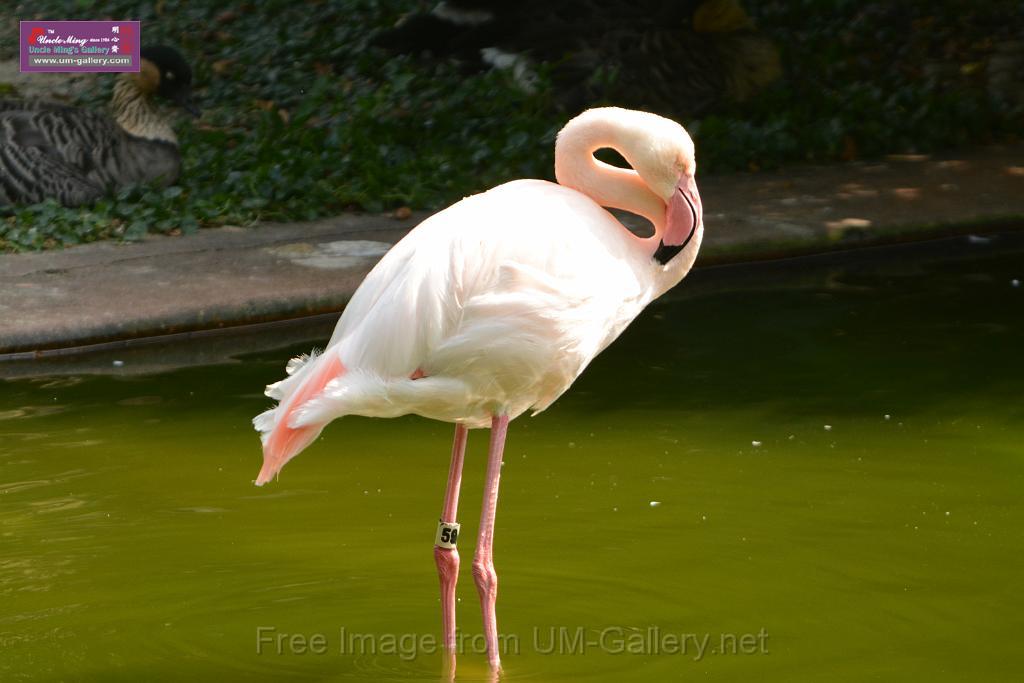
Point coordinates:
[(29, 411), (134, 547)]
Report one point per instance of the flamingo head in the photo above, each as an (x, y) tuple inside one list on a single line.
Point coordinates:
[(660, 186)]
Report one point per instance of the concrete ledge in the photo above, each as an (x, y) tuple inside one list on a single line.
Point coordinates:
[(226, 277), (217, 278)]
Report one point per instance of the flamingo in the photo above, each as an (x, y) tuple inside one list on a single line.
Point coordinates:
[(494, 306)]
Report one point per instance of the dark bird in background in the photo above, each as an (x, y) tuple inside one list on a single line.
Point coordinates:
[(76, 156), (680, 58)]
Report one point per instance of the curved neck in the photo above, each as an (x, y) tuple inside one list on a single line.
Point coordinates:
[(135, 112), (609, 186)]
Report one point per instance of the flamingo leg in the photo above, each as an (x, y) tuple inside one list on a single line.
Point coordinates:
[(447, 559), (483, 561)]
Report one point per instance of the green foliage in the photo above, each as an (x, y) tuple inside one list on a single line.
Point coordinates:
[(302, 119), (865, 79)]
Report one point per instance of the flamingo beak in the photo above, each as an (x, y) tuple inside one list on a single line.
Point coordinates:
[(683, 216)]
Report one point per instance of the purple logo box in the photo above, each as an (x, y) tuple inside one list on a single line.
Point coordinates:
[(77, 46)]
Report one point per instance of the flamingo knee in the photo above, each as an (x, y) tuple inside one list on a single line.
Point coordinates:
[(447, 561), (486, 579)]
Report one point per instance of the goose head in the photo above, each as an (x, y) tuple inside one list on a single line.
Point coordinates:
[(166, 75)]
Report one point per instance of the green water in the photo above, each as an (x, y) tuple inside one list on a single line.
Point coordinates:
[(133, 546)]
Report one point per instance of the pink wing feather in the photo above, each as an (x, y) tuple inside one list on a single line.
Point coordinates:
[(284, 442)]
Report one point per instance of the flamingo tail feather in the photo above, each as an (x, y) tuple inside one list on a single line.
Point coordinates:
[(281, 440)]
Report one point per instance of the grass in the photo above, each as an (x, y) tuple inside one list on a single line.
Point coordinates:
[(302, 119)]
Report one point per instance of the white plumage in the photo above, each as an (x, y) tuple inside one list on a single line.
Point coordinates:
[(497, 304), (494, 306)]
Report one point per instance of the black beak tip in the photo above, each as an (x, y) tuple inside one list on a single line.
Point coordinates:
[(665, 253)]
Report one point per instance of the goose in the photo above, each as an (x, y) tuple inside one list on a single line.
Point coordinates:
[(76, 156)]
